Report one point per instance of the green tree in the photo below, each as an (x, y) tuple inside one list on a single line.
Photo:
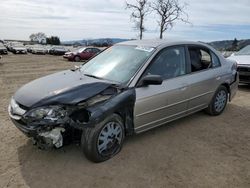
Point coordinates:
[(235, 45), (54, 40)]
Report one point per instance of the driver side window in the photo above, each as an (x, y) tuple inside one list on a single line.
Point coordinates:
[(168, 63)]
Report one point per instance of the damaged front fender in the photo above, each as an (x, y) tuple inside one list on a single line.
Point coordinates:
[(121, 103)]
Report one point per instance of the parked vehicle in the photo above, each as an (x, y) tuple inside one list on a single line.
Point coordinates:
[(58, 50), (243, 62), (38, 50), (129, 88), (19, 49), (29, 48), (10, 45), (3, 49), (81, 54)]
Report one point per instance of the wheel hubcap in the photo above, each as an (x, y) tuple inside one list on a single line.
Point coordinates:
[(220, 101), (109, 138)]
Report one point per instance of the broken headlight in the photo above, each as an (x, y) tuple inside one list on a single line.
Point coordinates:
[(51, 113)]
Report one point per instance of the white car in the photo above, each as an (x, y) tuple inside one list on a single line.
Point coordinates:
[(242, 58), (38, 50)]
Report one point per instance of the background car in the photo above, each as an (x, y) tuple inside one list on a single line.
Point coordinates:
[(38, 50), (19, 49), (3, 49), (82, 54), (242, 58), (58, 50)]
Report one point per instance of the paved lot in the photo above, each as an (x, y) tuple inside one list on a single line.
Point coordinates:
[(197, 151)]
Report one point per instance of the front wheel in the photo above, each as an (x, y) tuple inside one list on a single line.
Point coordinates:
[(77, 59), (219, 101), (105, 140)]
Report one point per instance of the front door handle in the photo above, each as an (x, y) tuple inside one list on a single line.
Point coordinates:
[(183, 88), (218, 78)]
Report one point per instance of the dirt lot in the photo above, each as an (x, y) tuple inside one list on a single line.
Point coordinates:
[(197, 151)]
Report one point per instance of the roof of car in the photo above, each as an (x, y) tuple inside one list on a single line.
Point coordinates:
[(156, 42)]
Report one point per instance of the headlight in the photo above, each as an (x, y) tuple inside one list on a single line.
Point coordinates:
[(51, 113)]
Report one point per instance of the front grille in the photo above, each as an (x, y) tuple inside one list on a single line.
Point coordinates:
[(22, 106), (244, 69), (21, 122), (244, 78)]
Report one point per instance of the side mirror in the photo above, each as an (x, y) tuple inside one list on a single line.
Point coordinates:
[(151, 80)]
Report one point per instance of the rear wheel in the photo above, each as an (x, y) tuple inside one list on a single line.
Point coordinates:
[(219, 101), (105, 140)]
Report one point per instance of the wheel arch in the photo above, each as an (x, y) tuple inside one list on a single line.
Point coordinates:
[(127, 118), (74, 58), (226, 85)]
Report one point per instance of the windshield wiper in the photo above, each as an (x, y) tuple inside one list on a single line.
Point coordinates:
[(93, 76), (100, 78)]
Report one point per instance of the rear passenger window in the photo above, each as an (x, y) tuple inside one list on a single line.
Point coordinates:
[(200, 59)]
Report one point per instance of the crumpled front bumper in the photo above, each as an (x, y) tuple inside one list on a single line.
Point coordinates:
[(30, 131)]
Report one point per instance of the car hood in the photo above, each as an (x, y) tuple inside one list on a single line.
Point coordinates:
[(2, 48), (60, 50), (68, 53), (241, 59), (19, 48), (66, 87)]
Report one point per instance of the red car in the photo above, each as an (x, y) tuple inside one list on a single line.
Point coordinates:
[(81, 54)]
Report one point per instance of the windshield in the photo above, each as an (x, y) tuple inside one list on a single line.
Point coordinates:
[(244, 51), (18, 45), (118, 63), (80, 50)]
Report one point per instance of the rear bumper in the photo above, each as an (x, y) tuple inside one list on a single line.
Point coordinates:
[(39, 52), (234, 87)]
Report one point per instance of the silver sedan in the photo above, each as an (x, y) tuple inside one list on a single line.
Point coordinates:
[(129, 88)]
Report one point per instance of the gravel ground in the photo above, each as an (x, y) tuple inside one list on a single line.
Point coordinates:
[(197, 151)]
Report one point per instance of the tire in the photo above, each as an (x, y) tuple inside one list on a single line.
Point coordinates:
[(92, 140), (219, 102), (77, 59)]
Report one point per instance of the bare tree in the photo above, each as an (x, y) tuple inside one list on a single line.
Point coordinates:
[(38, 37), (140, 10), (169, 12)]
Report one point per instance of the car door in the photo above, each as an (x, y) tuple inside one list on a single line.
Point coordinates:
[(204, 77), (158, 104), (86, 54)]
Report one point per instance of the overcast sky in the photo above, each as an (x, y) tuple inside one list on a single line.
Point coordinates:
[(81, 19)]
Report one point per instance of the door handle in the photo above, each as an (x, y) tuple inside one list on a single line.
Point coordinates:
[(218, 78), (183, 88)]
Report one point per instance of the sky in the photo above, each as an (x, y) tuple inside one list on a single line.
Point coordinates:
[(88, 19)]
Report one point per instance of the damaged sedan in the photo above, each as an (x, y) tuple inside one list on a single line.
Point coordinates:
[(129, 88)]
